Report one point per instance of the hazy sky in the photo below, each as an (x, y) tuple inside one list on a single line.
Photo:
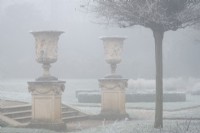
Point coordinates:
[(80, 50)]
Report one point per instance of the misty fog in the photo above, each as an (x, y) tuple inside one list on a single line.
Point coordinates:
[(80, 52)]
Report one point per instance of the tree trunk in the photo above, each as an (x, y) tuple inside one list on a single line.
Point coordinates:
[(158, 36)]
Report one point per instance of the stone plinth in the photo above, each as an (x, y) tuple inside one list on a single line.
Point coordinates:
[(46, 104), (113, 97)]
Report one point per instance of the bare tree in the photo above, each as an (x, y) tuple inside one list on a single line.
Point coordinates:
[(158, 15)]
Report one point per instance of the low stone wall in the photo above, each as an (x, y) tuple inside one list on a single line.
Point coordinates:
[(167, 97), (134, 97), (89, 98)]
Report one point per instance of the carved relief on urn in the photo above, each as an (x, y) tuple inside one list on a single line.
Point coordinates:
[(46, 45), (113, 50)]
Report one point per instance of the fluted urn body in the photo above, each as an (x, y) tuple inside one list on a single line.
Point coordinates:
[(113, 51), (46, 46)]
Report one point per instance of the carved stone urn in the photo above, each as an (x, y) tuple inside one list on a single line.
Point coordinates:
[(113, 85), (47, 90), (46, 46), (113, 50)]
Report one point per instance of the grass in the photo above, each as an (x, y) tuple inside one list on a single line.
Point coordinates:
[(139, 126), (147, 127)]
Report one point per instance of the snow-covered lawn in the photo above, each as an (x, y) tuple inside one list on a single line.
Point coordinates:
[(136, 126), (147, 127), (143, 118)]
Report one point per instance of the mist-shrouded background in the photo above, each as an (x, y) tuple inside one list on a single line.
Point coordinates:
[(80, 53)]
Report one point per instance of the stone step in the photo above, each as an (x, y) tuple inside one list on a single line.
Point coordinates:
[(15, 108), (26, 107), (24, 119), (22, 113), (18, 113), (6, 121), (74, 118), (69, 113), (64, 109)]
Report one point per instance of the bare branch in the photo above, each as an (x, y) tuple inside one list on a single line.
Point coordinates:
[(167, 15)]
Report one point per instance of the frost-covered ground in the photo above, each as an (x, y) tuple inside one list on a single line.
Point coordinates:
[(138, 126), (147, 127)]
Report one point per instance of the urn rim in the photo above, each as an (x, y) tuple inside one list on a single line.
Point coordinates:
[(47, 32)]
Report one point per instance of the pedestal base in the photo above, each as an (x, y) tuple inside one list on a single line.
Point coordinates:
[(60, 127), (113, 97), (46, 104)]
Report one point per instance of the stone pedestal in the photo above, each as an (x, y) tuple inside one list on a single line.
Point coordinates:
[(46, 104), (113, 97)]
